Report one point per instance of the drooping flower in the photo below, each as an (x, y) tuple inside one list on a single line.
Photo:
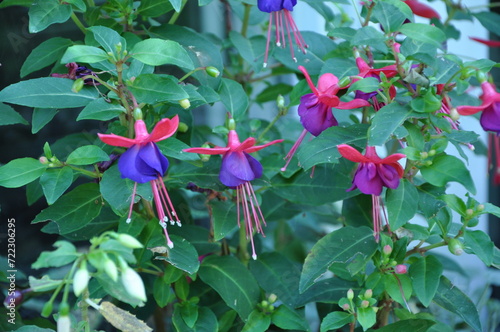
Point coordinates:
[(315, 109), (75, 71), (143, 162), (372, 174), (421, 9), (280, 12), (237, 170)]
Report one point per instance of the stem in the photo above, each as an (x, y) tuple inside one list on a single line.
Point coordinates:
[(174, 17), (85, 310), (90, 3), (85, 172), (424, 249), (95, 78), (191, 73), (78, 23), (246, 19), (269, 126)]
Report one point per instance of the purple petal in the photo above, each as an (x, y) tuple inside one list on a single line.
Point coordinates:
[(490, 118), (128, 167), (238, 168), (269, 6), (255, 165), (367, 180), (315, 116), (151, 157), (389, 176)]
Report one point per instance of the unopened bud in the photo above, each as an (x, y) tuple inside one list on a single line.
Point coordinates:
[(133, 284), (387, 250), (137, 113), (212, 71), (280, 101), (469, 212), (264, 304), (43, 160), (481, 76), (350, 294), (272, 298), (110, 268), (432, 152), (454, 115), (368, 294), (480, 208), (47, 309), (400, 269), (77, 85), (424, 155), (365, 304), (455, 247), (428, 163), (346, 306), (182, 128), (129, 241), (118, 47), (80, 280), (185, 104), (63, 323), (345, 81), (64, 309)]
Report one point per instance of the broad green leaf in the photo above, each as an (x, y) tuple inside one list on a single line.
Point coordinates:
[(480, 244), (489, 20), (424, 273), (234, 98), (224, 218), (455, 203), (183, 255), (43, 284), (357, 212), (276, 274), (329, 290), (7, 3), (491, 209), (232, 281), (368, 84), (189, 313), (154, 8), (73, 210), (399, 287), (107, 38), (206, 322), (446, 169), (366, 317), (162, 292), (40, 117), (413, 325), (391, 14), (55, 181), (385, 122), (64, 254), (350, 246), (369, 36), (156, 52), (443, 71), (45, 54), (454, 300), (172, 147), (116, 289), (46, 12), (19, 172), (335, 320), (47, 92), (243, 46), (204, 177), (152, 89), (257, 322), (288, 319), (9, 116), (272, 92), (424, 33), (100, 109), (401, 203), (84, 53), (340, 67), (86, 155)]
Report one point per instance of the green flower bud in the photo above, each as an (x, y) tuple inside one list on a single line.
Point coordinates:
[(428, 163), (424, 155), (455, 247), (432, 152), (137, 113), (64, 309), (185, 104), (368, 294), (77, 85), (264, 304), (212, 71), (480, 208), (110, 268), (454, 115), (43, 160), (481, 76), (350, 294), (469, 212), (272, 298), (365, 304), (387, 250), (133, 284), (129, 241), (47, 309), (182, 127), (280, 101), (80, 280)]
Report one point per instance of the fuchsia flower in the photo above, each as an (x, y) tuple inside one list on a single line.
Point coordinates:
[(280, 11), (372, 175), (143, 162), (237, 170), (315, 109), (421, 9), (490, 107)]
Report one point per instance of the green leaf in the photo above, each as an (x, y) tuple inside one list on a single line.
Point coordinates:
[(323, 149), (391, 14), (257, 322), (243, 46), (370, 36), (107, 38), (480, 244), (424, 273), (350, 246), (86, 155), (162, 292), (489, 20), (398, 285), (234, 98), (401, 203), (9, 116), (206, 322), (272, 92), (366, 317), (84, 53), (154, 8), (327, 290), (100, 109), (64, 254), (385, 122), (19, 172), (446, 169), (40, 117), (455, 203), (335, 320), (156, 52), (424, 33), (73, 210), (413, 325), (45, 54), (224, 218), (55, 181), (152, 89), (232, 281), (183, 255), (172, 147), (48, 92), (368, 84), (46, 12), (452, 299), (189, 313), (288, 319), (44, 284)]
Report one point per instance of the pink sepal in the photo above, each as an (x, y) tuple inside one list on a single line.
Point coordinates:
[(352, 154), (355, 103), (260, 147), (116, 140), (211, 151), (248, 143), (164, 129)]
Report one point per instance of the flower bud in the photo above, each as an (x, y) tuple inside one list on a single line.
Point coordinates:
[(129, 241), (43, 160), (387, 250), (469, 212), (64, 324), (432, 152), (365, 304), (64, 309), (212, 71), (182, 128), (481, 76), (47, 309), (185, 104), (133, 284), (272, 298), (205, 157), (346, 306), (428, 163), (264, 304), (345, 81), (77, 85), (480, 208), (424, 155), (110, 268), (368, 294), (400, 269), (350, 294), (454, 115), (137, 113), (280, 101), (80, 280), (455, 247)]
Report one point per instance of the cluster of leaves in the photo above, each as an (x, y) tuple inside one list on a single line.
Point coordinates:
[(207, 282)]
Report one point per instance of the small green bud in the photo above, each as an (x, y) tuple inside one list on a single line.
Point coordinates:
[(428, 163), (133, 284), (387, 250), (47, 150), (80, 280), (365, 304), (264, 304), (231, 125), (280, 101), (182, 127), (129, 241), (272, 298), (346, 306), (47, 309), (454, 115), (368, 294), (270, 308), (469, 212), (345, 81), (110, 268), (64, 309), (125, 52), (350, 294), (185, 104), (43, 160), (432, 152), (205, 157), (77, 85), (455, 247), (212, 71), (118, 48), (480, 208), (424, 155), (137, 113)]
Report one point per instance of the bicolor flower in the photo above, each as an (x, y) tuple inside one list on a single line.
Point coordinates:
[(421, 9), (237, 170), (372, 174), (280, 12), (315, 109), (143, 162), (490, 108), (75, 71)]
